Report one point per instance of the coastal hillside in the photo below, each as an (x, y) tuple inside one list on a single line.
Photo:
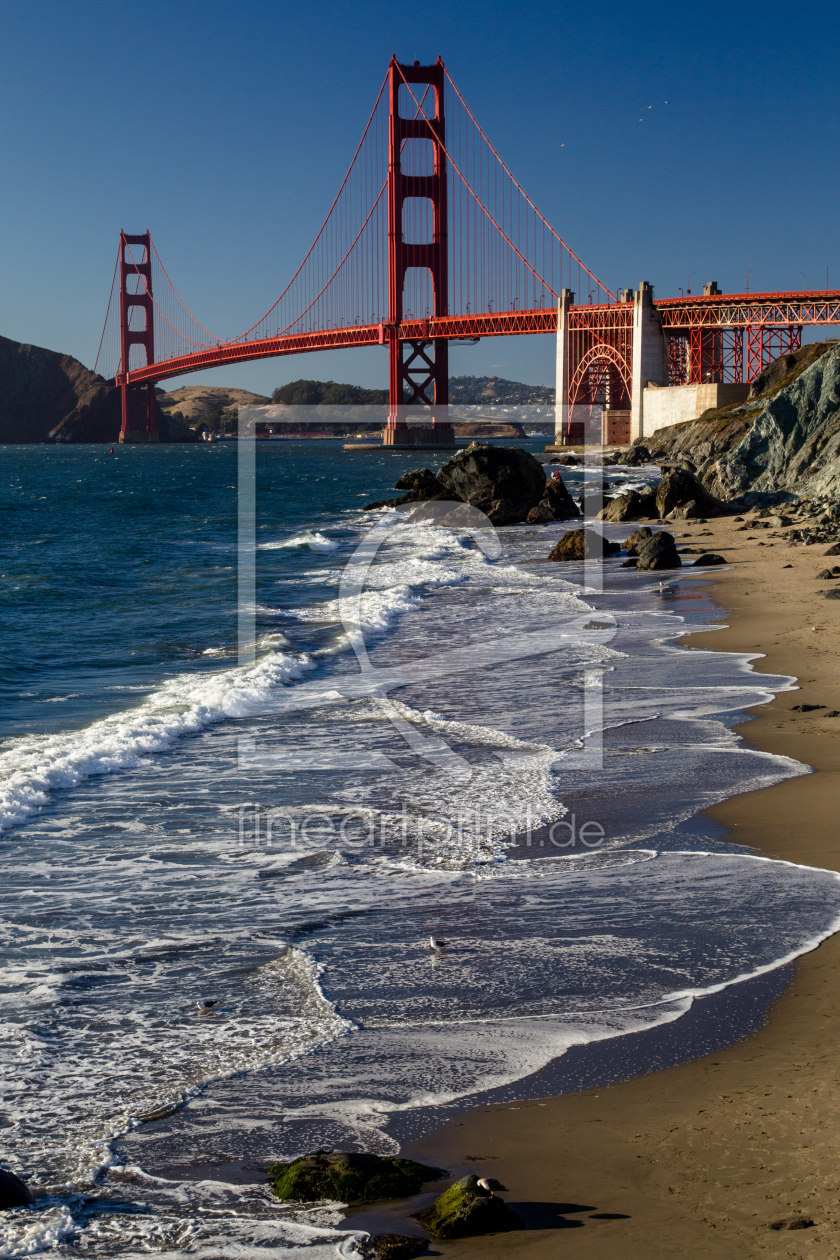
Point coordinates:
[(43, 393), (50, 397), (212, 405), (786, 436), (490, 390)]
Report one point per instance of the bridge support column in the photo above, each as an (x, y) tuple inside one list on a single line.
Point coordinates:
[(419, 370), (650, 356), (561, 378), (139, 411)]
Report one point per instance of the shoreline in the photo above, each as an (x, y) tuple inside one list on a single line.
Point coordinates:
[(705, 1157)]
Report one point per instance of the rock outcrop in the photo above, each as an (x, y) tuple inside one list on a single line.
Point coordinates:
[(420, 485), (583, 544), (418, 479), (794, 443), (635, 455), (555, 505), (503, 481), (637, 539), (659, 552), (681, 491), (635, 505), (784, 439), (43, 393), (349, 1177), (14, 1193), (391, 1247), (466, 1211)]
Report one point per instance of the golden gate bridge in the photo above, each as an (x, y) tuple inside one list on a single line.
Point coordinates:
[(431, 239)]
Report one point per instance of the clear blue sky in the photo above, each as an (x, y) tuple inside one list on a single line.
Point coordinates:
[(225, 129)]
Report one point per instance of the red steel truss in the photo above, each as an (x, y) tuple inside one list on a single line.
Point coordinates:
[(452, 327), (772, 310), (600, 355)]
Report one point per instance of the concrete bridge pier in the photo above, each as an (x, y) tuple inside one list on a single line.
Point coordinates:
[(650, 356), (561, 386)]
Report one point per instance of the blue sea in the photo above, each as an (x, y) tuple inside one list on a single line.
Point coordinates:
[(231, 820)]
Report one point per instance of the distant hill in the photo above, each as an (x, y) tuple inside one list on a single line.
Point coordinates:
[(477, 390), (466, 390), (302, 393), (212, 405)]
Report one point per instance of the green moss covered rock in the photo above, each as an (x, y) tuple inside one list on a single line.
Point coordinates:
[(464, 1211), (391, 1247), (349, 1176)]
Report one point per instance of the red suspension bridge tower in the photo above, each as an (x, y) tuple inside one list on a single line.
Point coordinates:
[(139, 423), (419, 368)]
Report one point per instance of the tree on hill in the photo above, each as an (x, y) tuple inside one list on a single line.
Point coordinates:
[(298, 393)]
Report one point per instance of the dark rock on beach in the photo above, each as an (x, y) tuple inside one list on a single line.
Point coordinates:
[(637, 539), (659, 552), (465, 1211), (632, 506), (709, 558), (495, 475), (391, 1247), (349, 1176), (679, 489), (13, 1192), (555, 505), (583, 544)]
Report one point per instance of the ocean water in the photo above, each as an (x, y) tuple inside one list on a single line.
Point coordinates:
[(281, 837)]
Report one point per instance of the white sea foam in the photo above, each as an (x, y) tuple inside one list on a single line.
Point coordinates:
[(27, 1232), (141, 898), (310, 538), (33, 766)]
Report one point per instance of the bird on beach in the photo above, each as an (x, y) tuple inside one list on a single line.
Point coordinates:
[(206, 1003), (491, 1184), (436, 944)]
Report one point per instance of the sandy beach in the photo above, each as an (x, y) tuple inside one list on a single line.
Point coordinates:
[(735, 1154)]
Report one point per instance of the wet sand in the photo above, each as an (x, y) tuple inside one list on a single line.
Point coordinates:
[(702, 1159)]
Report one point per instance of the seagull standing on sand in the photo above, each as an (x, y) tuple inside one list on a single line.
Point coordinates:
[(436, 944), (491, 1184)]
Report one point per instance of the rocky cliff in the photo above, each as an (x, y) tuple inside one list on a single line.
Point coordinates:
[(46, 396), (786, 436)]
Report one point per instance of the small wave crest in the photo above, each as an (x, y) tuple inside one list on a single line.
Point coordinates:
[(33, 766), (309, 538)]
